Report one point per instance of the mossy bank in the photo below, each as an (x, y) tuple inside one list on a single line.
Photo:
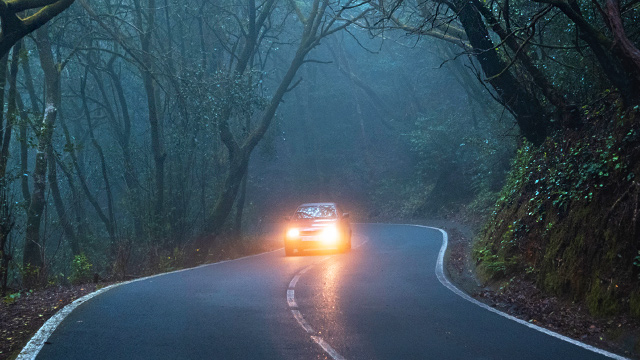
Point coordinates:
[(568, 216)]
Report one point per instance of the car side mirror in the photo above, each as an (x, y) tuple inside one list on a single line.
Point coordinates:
[(345, 215)]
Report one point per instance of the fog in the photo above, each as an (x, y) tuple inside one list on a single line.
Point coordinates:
[(139, 137), (353, 131), (150, 135)]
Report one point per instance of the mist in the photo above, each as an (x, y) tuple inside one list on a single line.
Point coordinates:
[(142, 136)]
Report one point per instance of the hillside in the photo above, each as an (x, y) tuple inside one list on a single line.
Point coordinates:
[(567, 217)]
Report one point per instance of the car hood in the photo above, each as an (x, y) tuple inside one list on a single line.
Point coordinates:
[(312, 223)]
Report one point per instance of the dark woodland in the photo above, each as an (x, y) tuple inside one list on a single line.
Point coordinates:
[(143, 136)]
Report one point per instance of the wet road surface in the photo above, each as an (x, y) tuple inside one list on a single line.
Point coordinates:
[(381, 301)]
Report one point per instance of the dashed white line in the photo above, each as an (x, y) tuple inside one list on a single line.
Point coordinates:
[(327, 348), (294, 281), (291, 300), (305, 325), (444, 281)]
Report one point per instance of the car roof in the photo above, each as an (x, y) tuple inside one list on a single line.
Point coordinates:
[(319, 204)]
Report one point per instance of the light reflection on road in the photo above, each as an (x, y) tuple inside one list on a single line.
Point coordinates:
[(332, 316)]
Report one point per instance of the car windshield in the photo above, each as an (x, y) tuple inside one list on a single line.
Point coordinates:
[(316, 212)]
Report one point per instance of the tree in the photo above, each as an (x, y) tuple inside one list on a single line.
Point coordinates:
[(6, 214), (517, 67), (318, 23), (14, 27), (618, 57), (33, 253)]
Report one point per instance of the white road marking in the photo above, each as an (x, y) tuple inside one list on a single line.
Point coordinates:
[(444, 281), (294, 281), (327, 348), (300, 319), (33, 347), (291, 300), (362, 243)]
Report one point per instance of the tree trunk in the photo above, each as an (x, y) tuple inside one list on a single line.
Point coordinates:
[(316, 27), (12, 112), (24, 152), (124, 139), (152, 106), (109, 218), (5, 228), (33, 253), (237, 221), (552, 94), (6, 218), (627, 51), (24, 146), (14, 28), (240, 158), (601, 47), (83, 181), (67, 227), (528, 112)]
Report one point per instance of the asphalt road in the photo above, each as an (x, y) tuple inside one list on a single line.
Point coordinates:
[(381, 301)]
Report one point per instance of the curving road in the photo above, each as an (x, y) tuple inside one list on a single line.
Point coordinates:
[(381, 301)]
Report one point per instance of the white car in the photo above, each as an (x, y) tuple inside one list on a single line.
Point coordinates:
[(317, 226)]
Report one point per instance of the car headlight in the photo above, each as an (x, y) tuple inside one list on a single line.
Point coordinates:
[(293, 233), (329, 234)]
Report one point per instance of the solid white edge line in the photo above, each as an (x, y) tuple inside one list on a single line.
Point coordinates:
[(31, 350), (33, 347), (327, 348), (444, 281)]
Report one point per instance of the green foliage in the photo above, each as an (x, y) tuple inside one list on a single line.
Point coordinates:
[(558, 218), (462, 161), (500, 258), (519, 174), (56, 279), (170, 262), (492, 262), (30, 276), (11, 298), (634, 303), (602, 300), (81, 270), (563, 171), (497, 253)]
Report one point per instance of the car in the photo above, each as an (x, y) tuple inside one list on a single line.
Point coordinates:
[(317, 226)]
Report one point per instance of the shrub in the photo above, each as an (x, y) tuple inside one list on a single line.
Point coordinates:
[(80, 269)]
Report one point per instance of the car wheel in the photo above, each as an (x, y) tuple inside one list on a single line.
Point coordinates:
[(288, 251)]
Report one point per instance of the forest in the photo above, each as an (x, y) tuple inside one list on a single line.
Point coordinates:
[(141, 136)]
